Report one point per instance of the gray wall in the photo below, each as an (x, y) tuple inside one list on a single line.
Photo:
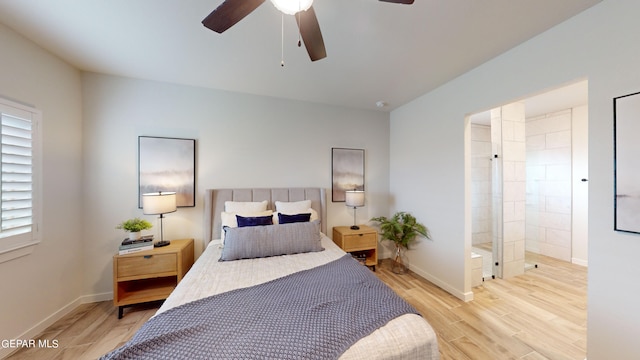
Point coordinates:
[(429, 160), (242, 141), (90, 127), (33, 76)]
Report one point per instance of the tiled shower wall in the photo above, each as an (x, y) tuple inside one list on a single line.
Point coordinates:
[(481, 184), (549, 185), (509, 143)]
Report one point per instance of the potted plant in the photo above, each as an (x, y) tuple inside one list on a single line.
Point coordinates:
[(134, 227), (402, 228)]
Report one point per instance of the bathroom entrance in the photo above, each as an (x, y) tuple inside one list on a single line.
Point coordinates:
[(529, 182)]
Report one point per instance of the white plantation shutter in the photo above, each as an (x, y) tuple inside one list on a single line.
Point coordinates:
[(17, 176), (17, 170)]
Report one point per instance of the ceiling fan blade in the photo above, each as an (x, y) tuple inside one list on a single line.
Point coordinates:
[(311, 34), (406, 2), (229, 13)]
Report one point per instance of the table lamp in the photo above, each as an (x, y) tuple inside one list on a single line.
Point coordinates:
[(354, 199), (159, 203)]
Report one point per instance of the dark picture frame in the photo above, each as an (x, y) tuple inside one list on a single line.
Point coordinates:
[(167, 164), (347, 172), (626, 127)]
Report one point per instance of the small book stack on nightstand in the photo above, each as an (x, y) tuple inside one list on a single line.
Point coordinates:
[(362, 242), (131, 246)]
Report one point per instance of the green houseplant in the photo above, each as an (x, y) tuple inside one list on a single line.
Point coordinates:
[(402, 228), (134, 227)]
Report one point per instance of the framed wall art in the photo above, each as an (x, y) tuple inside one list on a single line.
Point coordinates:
[(626, 125), (167, 164), (347, 172)]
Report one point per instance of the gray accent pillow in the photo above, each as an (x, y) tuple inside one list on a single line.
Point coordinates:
[(271, 240)]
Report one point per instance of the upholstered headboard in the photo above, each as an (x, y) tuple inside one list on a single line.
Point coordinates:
[(215, 198)]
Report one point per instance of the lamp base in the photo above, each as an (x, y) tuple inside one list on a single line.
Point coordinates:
[(162, 243), (355, 227)]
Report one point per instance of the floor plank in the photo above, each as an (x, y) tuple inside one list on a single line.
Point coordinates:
[(535, 316), (539, 315)]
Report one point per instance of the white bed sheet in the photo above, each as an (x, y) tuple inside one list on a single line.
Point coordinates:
[(406, 337)]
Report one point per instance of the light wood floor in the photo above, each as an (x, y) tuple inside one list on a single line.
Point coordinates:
[(539, 315)]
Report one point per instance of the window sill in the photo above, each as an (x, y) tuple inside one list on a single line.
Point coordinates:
[(18, 251)]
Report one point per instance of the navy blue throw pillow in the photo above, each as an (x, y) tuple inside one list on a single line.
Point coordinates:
[(288, 219), (254, 220)]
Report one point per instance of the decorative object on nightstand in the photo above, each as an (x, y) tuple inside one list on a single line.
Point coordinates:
[(129, 246), (159, 203), (134, 227), (402, 229), (354, 199), (150, 275), (362, 241)]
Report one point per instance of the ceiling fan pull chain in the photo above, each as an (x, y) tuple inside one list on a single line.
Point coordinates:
[(299, 27), (299, 22), (282, 40)]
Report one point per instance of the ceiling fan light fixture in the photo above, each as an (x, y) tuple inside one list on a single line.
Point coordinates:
[(291, 7)]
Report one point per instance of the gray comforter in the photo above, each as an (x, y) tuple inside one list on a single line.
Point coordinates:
[(312, 314)]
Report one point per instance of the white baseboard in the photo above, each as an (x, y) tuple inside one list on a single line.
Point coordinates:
[(96, 297), (441, 284), (580, 262), (34, 331), (468, 296), (38, 328)]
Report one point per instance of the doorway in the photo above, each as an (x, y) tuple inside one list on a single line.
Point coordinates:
[(550, 202)]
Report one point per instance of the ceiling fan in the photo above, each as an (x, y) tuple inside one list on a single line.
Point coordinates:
[(232, 11)]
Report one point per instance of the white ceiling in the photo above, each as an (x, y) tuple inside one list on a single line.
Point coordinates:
[(376, 51), (547, 102)]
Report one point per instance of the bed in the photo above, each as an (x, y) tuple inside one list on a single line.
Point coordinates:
[(224, 275)]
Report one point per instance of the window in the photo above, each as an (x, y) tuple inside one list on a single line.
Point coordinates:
[(19, 179)]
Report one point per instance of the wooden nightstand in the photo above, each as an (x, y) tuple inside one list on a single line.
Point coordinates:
[(150, 275), (365, 239)]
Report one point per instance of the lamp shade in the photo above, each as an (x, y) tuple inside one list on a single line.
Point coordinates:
[(291, 7), (354, 198), (158, 203)]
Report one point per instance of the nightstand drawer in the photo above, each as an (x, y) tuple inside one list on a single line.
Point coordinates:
[(146, 265), (359, 241)]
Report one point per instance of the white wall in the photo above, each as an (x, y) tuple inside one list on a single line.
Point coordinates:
[(549, 164), (580, 198), (242, 141), (428, 180), (428, 159), (39, 287)]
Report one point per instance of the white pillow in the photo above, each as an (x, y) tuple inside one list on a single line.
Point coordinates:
[(314, 215), (245, 206), (294, 207), (229, 219)]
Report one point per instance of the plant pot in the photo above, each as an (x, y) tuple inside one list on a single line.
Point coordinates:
[(399, 266), (135, 235)]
